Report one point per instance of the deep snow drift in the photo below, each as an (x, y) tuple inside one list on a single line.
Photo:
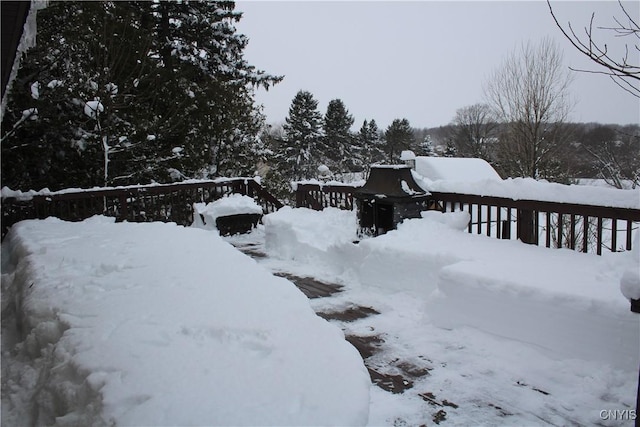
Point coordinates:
[(155, 324), (567, 304)]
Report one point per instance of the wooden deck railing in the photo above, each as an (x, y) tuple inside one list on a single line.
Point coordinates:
[(318, 197), (585, 228), (167, 202)]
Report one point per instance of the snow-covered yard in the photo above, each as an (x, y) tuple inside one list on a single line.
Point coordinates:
[(158, 324)]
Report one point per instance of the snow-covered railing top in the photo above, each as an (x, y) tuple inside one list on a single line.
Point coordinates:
[(530, 189), (134, 203), (327, 184), (6, 192)]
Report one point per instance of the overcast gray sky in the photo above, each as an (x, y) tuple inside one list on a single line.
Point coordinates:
[(419, 60)]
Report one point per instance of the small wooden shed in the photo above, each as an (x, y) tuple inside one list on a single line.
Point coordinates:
[(389, 196)]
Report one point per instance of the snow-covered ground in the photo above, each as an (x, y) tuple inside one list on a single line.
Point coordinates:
[(158, 324), (545, 335)]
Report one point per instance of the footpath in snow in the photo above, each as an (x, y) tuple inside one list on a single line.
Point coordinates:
[(511, 333)]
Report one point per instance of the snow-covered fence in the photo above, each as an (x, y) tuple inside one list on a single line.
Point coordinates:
[(141, 203), (320, 196), (582, 227)]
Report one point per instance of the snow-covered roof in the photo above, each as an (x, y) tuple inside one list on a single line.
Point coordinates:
[(455, 169)]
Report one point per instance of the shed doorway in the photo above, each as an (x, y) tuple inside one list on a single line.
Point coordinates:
[(384, 218), (376, 218)]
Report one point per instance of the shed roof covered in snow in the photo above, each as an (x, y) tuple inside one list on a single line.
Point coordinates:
[(455, 169)]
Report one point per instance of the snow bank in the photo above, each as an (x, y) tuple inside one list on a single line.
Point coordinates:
[(530, 189), (455, 169), (147, 324), (233, 204), (566, 304), (630, 281), (307, 234)]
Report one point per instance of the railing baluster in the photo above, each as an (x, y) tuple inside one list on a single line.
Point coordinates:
[(548, 231), (585, 233), (599, 236), (629, 229), (572, 232), (614, 235), (560, 231)]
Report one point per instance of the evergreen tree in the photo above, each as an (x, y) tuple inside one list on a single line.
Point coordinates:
[(298, 155), (371, 144), (450, 149), (84, 110), (198, 40), (336, 145), (426, 148), (399, 136), (132, 92)]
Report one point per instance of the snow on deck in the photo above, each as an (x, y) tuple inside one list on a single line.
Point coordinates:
[(155, 324), (567, 304)]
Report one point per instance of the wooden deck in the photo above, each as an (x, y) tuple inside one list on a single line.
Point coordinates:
[(393, 375), (349, 314), (311, 287)]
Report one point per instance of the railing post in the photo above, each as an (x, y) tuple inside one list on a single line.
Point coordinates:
[(299, 197), (525, 226)]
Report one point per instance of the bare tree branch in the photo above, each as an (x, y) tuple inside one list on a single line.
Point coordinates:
[(620, 70)]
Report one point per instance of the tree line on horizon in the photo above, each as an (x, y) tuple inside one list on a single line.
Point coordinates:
[(308, 140), (521, 128)]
